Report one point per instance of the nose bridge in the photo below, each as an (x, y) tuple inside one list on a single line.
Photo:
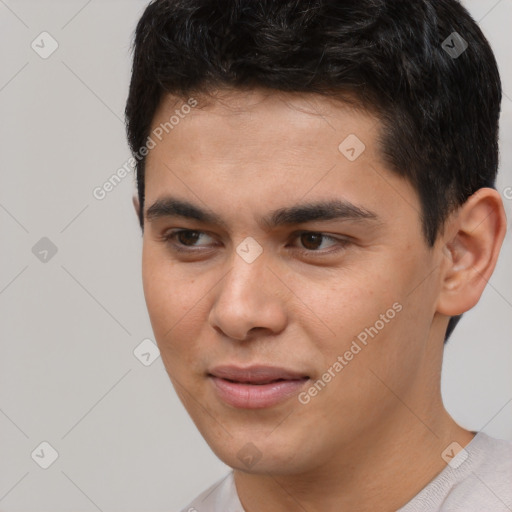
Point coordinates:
[(245, 281), (246, 298)]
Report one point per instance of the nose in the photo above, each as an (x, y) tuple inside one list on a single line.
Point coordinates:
[(249, 298)]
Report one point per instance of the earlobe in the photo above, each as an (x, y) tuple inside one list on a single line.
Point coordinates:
[(475, 235)]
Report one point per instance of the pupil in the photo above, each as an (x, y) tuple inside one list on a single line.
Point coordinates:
[(312, 236), (191, 235)]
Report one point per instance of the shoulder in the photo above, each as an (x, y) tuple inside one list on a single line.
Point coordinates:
[(478, 478), (490, 482)]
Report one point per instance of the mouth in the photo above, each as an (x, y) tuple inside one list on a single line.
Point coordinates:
[(258, 383), (256, 387)]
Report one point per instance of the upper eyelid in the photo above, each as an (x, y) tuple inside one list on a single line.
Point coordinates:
[(186, 230)]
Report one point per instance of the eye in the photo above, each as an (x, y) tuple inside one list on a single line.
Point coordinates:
[(183, 238), (312, 242)]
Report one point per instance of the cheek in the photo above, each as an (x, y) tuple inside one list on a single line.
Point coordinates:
[(169, 294), (352, 302), (372, 319), (159, 297), (178, 304)]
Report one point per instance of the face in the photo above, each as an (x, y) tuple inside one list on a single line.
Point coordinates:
[(286, 276)]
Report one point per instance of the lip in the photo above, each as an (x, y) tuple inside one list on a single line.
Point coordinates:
[(255, 387)]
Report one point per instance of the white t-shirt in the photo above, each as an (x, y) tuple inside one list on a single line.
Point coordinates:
[(477, 479)]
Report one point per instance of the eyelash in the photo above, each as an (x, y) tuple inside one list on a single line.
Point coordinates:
[(170, 236)]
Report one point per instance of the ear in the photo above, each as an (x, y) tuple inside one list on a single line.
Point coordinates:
[(472, 241), (136, 205)]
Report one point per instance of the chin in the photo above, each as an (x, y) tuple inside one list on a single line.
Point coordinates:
[(259, 454)]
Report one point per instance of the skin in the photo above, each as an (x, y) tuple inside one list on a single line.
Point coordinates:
[(373, 437)]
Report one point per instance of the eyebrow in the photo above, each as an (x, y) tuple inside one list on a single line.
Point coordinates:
[(297, 214)]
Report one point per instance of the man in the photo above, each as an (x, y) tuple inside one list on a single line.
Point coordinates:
[(316, 193)]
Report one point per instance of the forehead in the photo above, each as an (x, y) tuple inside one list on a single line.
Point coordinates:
[(286, 114), (237, 148), (261, 129)]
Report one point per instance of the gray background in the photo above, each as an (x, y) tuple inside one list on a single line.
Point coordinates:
[(69, 325)]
